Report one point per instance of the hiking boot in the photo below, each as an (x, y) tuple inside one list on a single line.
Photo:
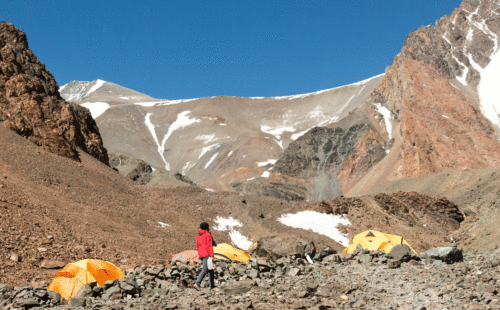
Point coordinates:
[(196, 287)]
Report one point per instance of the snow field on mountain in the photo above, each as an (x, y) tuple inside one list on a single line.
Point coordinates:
[(324, 224), (225, 224), (96, 108), (489, 91)]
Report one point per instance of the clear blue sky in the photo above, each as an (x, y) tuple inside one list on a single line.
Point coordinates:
[(188, 49)]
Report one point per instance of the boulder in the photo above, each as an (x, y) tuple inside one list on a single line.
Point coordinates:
[(446, 254), (284, 245), (54, 296), (239, 288), (112, 292), (77, 302), (403, 253), (27, 302), (86, 290)]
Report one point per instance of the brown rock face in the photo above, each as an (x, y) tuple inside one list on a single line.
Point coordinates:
[(441, 129), (31, 106)]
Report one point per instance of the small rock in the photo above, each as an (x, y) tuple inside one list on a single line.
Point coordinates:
[(14, 257), (52, 264), (448, 255), (393, 264), (76, 302)]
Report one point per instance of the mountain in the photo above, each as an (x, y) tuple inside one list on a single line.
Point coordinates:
[(434, 109), (217, 141)]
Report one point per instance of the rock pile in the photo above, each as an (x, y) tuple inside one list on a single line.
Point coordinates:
[(362, 280)]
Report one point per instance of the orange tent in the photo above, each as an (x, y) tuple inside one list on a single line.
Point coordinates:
[(75, 275), (185, 256)]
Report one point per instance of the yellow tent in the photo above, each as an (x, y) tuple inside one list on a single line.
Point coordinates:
[(75, 275), (373, 240), (226, 252)]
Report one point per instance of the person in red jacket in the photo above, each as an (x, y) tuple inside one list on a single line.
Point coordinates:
[(205, 244)]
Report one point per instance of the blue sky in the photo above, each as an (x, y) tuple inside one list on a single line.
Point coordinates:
[(189, 49)]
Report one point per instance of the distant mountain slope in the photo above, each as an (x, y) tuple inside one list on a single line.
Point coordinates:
[(214, 141)]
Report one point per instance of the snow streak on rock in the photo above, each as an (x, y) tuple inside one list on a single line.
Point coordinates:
[(489, 90), (387, 118)]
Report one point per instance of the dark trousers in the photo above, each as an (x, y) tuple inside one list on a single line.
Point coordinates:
[(204, 271)]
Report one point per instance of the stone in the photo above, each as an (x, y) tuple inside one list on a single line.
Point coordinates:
[(54, 296), (403, 253), (27, 302), (365, 258), (14, 257), (448, 255), (111, 293), (86, 290), (154, 271), (334, 258), (76, 302), (238, 288), (52, 264), (284, 245), (393, 264), (294, 272)]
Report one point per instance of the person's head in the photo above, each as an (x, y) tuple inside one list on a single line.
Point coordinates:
[(204, 226)]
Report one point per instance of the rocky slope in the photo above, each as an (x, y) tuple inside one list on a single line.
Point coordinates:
[(31, 106)]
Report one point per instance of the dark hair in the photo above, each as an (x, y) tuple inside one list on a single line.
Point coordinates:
[(204, 226)]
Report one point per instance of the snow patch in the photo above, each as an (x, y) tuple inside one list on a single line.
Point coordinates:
[(264, 163), (96, 108), (97, 85), (206, 138), (62, 87), (239, 240), (324, 224), (182, 121), (444, 116), (225, 224), (163, 224), (265, 174), (125, 98), (489, 92), (229, 153), (387, 117), (295, 136), (207, 149), (211, 160), (324, 90), (277, 131)]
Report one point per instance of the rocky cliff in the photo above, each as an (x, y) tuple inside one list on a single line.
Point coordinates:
[(31, 106), (441, 123)]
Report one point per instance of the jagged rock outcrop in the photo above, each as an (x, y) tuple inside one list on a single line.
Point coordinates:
[(31, 106)]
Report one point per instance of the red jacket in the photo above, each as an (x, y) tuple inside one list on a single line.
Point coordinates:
[(204, 243)]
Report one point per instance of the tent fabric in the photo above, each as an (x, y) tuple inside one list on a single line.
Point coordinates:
[(73, 276), (373, 240), (186, 256), (225, 251)]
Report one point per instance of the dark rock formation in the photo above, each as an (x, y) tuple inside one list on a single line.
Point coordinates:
[(31, 106)]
